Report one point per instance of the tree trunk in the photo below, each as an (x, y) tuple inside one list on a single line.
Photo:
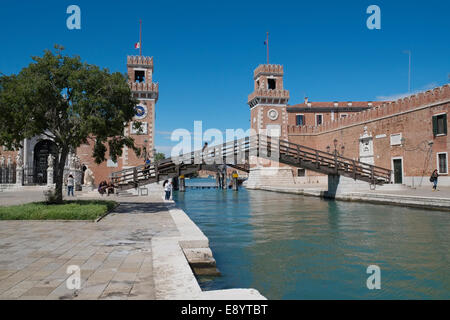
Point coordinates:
[(60, 164)]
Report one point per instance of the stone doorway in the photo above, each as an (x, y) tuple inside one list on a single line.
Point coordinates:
[(40, 162)]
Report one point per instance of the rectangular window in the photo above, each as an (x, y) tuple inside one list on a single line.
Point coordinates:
[(271, 84), (111, 164), (141, 130), (301, 172), (319, 119), (300, 120), (139, 76), (396, 139), (440, 124), (442, 163), (343, 115)]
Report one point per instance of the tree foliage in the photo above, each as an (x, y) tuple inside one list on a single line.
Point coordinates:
[(69, 102), (159, 156)]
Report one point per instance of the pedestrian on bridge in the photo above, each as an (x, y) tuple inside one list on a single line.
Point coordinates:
[(146, 170)]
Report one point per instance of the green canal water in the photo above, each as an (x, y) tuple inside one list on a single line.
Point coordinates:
[(296, 247)]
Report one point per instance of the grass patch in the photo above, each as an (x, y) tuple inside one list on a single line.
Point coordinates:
[(68, 210)]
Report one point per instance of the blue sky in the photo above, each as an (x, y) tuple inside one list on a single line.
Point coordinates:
[(205, 51)]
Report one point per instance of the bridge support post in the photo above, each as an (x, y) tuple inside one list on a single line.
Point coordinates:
[(182, 184), (218, 183), (224, 180), (235, 181)]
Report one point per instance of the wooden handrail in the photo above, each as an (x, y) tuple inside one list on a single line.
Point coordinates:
[(234, 151)]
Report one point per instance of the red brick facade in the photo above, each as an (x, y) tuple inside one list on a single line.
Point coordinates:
[(140, 79), (401, 130), (147, 92)]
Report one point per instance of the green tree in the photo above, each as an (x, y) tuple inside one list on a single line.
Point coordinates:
[(69, 102), (159, 156)]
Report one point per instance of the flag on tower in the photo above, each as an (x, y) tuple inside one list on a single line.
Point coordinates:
[(137, 45)]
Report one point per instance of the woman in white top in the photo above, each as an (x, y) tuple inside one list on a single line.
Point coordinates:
[(167, 188), (70, 184)]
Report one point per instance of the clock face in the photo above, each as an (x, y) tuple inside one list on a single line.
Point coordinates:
[(141, 111), (273, 114)]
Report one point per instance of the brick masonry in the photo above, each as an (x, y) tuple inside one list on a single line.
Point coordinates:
[(411, 117)]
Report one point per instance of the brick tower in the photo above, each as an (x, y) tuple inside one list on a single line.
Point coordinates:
[(268, 101), (140, 76), (268, 115)]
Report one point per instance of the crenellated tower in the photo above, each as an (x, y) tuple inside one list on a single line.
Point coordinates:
[(140, 79), (268, 100)]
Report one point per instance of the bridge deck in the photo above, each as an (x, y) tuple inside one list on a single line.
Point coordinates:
[(241, 153)]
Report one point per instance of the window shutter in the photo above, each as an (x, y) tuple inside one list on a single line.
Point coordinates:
[(445, 123), (435, 125)]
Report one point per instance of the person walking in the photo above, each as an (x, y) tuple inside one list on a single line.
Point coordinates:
[(70, 184), (168, 189), (434, 179)]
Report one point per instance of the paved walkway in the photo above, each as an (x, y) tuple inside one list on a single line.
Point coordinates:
[(114, 255), (441, 192)]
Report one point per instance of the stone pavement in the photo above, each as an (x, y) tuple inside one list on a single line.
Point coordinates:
[(114, 255), (16, 197)]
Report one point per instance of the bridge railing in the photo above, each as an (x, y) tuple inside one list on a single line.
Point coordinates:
[(303, 153), (238, 152)]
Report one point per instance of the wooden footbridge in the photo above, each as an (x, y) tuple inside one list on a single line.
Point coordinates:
[(239, 154)]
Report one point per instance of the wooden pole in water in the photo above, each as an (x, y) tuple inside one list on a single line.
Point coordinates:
[(182, 184), (218, 180), (235, 181)]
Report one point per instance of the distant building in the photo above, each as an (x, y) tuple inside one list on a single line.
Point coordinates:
[(408, 136), (36, 151)]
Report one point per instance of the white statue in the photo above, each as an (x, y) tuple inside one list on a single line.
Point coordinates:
[(50, 161), (19, 160), (89, 177), (77, 163), (72, 162), (2, 161), (9, 161)]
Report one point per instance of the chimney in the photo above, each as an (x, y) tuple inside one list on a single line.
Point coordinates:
[(306, 100)]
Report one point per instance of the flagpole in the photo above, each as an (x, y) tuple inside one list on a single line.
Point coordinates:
[(267, 41), (140, 37)]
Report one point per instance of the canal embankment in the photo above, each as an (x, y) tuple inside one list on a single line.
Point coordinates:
[(420, 197), (176, 261), (146, 248)]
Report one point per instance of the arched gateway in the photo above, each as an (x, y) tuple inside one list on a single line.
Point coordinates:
[(40, 160)]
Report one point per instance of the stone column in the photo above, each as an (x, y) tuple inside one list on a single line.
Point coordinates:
[(19, 169), (10, 170), (2, 169), (78, 174), (50, 171)]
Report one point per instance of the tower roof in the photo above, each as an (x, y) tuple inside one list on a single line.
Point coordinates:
[(140, 61), (268, 69)]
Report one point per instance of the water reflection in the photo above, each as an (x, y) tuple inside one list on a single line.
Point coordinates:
[(295, 247)]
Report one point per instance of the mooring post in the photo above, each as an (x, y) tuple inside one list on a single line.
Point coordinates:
[(235, 180), (218, 184), (224, 179), (182, 184)]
